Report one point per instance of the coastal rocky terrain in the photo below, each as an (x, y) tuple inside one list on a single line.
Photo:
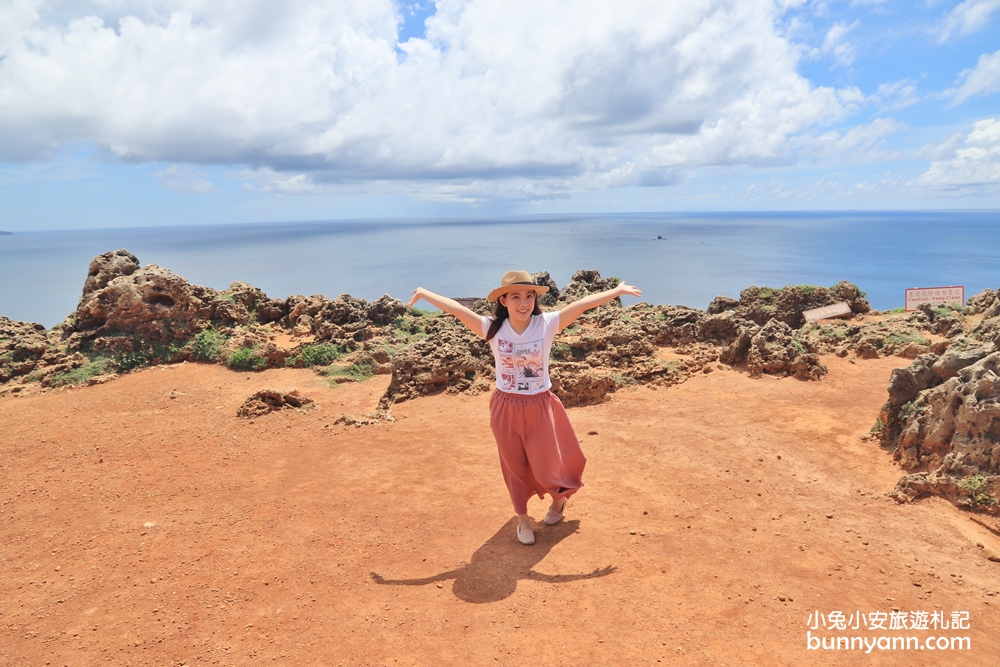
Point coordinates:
[(194, 476), (941, 419)]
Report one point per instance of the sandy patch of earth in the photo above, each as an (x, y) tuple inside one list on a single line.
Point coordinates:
[(144, 523)]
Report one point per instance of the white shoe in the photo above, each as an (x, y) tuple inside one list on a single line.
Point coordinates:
[(526, 536), (552, 517)]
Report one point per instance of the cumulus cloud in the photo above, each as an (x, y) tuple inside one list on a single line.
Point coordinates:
[(836, 46), (972, 168), (517, 98), (968, 17), (865, 143), (896, 95), (983, 79), (182, 178)]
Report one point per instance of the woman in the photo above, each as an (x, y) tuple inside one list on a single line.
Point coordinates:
[(539, 451)]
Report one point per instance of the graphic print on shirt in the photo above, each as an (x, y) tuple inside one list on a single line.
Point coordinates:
[(522, 367)]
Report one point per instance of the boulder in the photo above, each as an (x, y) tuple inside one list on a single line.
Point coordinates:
[(550, 298), (774, 351), (147, 307), (454, 359), (949, 432), (986, 303), (269, 400), (763, 304), (105, 268)]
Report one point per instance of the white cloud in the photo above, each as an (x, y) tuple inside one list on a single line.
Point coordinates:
[(836, 46), (864, 143), (896, 95), (182, 178), (973, 168), (942, 150), (517, 98), (968, 17), (983, 79)]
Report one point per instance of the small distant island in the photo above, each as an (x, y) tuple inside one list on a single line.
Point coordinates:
[(3, 233)]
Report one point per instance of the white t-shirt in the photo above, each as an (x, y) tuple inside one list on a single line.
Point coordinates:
[(522, 360)]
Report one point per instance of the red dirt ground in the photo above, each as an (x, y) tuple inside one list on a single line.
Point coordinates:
[(145, 524)]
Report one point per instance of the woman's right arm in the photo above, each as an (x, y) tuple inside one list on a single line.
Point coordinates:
[(450, 306)]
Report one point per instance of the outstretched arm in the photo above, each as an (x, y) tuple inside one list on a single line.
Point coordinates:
[(450, 306), (574, 310)]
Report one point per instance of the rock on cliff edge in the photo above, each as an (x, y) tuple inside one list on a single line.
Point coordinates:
[(942, 421)]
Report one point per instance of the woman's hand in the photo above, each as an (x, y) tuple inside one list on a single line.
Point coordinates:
[(418, 294), (629, 289)]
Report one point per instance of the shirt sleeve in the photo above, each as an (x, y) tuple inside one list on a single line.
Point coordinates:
[(486, 320), (551, 320)]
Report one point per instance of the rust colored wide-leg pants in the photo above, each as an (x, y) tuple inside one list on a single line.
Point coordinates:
[(539, 451)]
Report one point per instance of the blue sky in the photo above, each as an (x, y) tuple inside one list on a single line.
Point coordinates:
[(140, 112)]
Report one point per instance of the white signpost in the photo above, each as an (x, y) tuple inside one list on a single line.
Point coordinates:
[(936, 296)]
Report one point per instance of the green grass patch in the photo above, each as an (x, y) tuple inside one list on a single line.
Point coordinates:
[(208, 345), (807, 290), (900, 339), (768, 292), (976, 487), (321, 354), (911, 409), (95, 367), (947, 310), (560, 351), (623, 381), (244, 359), (225, 297), (355, 372), (828, 331), (127, 361)]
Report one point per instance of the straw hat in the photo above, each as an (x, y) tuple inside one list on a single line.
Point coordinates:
[(513, 281)]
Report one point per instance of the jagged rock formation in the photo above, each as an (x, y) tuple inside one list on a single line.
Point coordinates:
[(453, 359), (29, 352), (269, 400), (942, 421), (764, 304), (130, 316)]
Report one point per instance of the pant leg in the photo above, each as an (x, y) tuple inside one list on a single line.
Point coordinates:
[(554, 455), (508, 425)]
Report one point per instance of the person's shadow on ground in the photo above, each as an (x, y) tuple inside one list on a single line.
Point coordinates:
[(499, 564)]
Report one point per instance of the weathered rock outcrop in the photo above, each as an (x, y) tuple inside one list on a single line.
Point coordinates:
[(29, 352), (269, 400), (942, 421), (774, 351), (763, 304), (453, 360), (131, 316), (986, 302), (105, 268)]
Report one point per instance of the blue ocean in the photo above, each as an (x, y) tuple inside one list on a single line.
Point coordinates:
[(682, 258)]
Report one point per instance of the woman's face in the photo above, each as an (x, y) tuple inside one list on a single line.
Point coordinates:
[(519, 304)]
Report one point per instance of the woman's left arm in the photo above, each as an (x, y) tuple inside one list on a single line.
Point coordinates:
[(571, 312)]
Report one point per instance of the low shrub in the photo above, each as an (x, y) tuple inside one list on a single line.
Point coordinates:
[(244, 359), (320, 354), (82, 375), (208, 345), (355, 372)]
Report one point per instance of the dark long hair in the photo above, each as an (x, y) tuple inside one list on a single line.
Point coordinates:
[(500, 313)]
